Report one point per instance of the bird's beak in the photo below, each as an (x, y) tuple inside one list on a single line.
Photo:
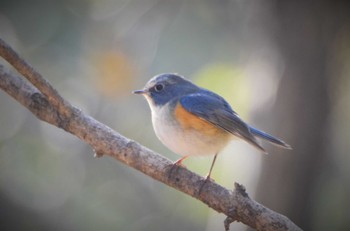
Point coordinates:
[(140, 92)]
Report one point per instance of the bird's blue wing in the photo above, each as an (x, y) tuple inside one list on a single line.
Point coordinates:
[(216, 110)]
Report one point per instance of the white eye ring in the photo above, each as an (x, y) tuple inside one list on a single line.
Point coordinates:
[(159, 87)]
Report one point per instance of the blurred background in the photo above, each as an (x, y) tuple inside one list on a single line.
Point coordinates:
[(283, 65)]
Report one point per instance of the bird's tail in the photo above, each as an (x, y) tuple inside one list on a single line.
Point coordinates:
[(271, 139)]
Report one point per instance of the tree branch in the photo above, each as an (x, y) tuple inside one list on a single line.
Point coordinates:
[(44, 102)]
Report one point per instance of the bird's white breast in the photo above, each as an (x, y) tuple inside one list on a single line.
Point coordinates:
[(187, 142)]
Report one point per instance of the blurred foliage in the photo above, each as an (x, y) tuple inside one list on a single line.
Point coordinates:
[(115, 74), (229, 82)]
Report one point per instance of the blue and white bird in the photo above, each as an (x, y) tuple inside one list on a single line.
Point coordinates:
[(193, 121)]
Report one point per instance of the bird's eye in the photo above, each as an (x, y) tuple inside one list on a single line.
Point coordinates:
[(159, 87)]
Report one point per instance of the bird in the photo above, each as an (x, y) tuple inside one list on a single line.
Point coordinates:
[(193, 121)]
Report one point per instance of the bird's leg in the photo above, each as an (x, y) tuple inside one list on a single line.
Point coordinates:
[(176, 164), (211, 167), (207, 178), (179, 161)]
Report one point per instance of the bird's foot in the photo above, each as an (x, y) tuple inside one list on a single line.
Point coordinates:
[(176, 166), (207, 179)]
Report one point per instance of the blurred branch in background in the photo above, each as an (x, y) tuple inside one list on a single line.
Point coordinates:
[(307, 35), (47, 104)]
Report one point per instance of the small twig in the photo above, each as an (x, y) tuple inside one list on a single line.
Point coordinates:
[(45, 103), (227, 223), (34, 77)]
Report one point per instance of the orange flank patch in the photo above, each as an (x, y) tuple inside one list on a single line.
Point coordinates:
[(190, 121)]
